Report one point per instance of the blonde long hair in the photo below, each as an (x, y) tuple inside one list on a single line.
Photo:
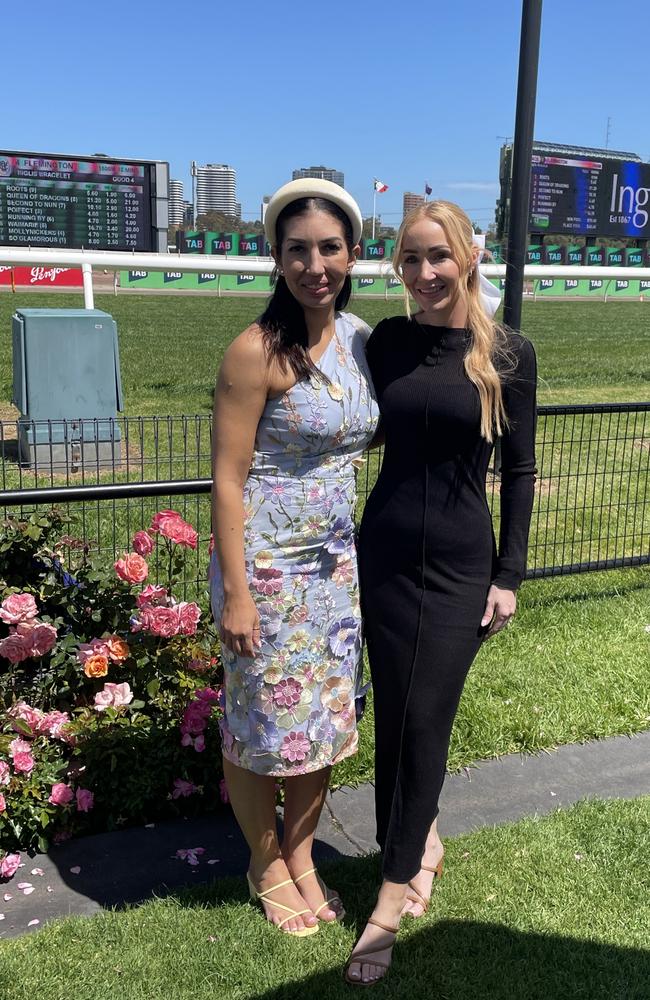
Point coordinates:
[(488, 339)]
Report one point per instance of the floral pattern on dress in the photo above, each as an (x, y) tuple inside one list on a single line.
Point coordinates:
[(291, 709)]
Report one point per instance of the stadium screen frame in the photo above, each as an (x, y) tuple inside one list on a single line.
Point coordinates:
[(110, 228)]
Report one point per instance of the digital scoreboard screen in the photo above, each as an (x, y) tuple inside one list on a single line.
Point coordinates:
[(585, 197), (67, 202)]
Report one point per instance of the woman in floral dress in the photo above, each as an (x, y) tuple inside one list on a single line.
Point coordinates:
[(294, 411)]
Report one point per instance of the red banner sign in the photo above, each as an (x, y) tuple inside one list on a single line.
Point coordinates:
[(41, 277)]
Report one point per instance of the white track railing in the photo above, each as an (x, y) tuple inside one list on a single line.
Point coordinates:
[(110, 260)]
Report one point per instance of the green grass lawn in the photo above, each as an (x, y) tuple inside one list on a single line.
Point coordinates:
[(545, 909), (171, 346)]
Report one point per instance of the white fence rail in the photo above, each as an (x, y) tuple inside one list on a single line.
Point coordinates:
[(109, 260)]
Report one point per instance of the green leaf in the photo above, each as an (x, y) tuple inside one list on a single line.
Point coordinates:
[(22, 727), (153, 687)]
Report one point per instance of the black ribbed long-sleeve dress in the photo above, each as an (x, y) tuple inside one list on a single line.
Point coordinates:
[(427, 557)]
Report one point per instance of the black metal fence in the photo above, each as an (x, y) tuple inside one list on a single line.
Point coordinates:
[(592, 504)]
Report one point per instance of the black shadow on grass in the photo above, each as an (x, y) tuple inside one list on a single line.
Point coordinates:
[(468, 960), (135, 864)]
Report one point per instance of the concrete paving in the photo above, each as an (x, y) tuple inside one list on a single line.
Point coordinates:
[(87, 875)]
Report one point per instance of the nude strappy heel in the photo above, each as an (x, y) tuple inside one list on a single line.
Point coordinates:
[(418, 897), (258, 897), (360, 957)]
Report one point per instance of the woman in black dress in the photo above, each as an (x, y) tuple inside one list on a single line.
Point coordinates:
[(434, 585)]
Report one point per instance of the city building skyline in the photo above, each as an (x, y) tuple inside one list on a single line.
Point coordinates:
[(320, 173), (216, 185), (176, 210), (411, 201)]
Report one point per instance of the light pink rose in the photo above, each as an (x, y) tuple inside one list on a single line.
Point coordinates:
[(9, 865), (41, 637), (5, 773), (143, 543), (183, 788), (23, 762), (32, 716), (19, 745), (132, 568), (14, 648), (188, 617), (88, 649), (54, 724), (85, 800), (18, 608), (160, 621), (170, 524), (152, 594), (61, 794), (3, 804), (113, 695)]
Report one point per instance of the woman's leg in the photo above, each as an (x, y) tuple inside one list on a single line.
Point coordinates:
[(253, 800), (304, 796), (423, 881)]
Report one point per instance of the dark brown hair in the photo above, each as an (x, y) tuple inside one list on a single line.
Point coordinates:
[(283, 321)]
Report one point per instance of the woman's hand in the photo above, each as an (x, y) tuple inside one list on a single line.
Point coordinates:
[(499, 609), (240, 626)]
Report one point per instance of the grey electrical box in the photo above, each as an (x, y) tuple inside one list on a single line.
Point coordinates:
[(67, 387)]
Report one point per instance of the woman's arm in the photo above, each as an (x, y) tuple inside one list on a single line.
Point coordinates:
[(517, 487), (240, 398)]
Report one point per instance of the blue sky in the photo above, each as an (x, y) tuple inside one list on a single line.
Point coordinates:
[(407, 92)]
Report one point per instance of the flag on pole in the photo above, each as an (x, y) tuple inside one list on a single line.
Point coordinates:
[(428, 189), (379, 187)]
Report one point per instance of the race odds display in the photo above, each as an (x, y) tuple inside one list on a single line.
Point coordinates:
[(589, 197), (70, 202)]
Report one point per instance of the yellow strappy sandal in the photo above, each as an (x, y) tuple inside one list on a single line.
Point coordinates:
[(258, 897), (328, 902)]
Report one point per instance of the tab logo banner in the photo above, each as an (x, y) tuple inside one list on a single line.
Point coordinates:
[(203, 277), (570, 283), (546, 282), (245, 279), (220, 245), (614, 258), (172, 276), (366, 282), (595, 284), (393, 282), (621, 284), (138, 275), (251, 246), (644, 286), (635, 259), (574, 257)]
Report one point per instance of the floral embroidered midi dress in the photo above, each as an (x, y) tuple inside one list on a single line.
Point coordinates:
[(291, 709)]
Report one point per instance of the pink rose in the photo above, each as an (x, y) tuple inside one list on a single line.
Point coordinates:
[(5, 773), (113, 695), (188, 616), (61, 794), (40, 635), (23, 761), (159, 621), (19, 745), (183, 788), (32, 716), (143, 543), (132, 568), (152, 594), (170, 524), (9, 865), (54, 724), (18, 608), (92, 648), (85, 800), (14, 648), (3, 804)]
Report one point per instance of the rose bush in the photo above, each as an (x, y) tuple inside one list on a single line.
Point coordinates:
[(109, 686)]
